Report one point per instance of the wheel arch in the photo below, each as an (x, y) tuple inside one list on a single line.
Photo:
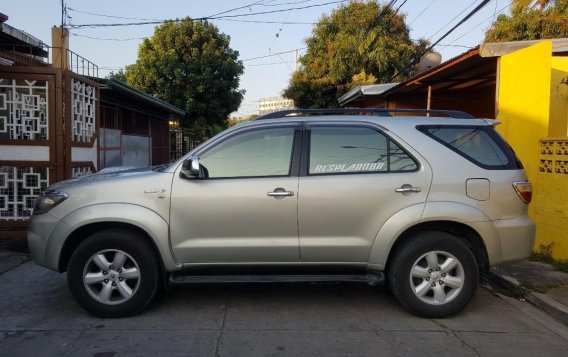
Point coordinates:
[(461, 230), (80, 234), (456, 218), (80, 224)]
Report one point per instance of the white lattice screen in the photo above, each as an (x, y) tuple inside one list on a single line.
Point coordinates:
[(19, 186), (23, 110), (83, 109)]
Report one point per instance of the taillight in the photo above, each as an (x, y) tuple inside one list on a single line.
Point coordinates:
[(524, 190)]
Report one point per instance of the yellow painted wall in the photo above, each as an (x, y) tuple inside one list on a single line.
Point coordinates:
[(551, 188), (550, 200), (559, 98), (523, 101), (532, 104)]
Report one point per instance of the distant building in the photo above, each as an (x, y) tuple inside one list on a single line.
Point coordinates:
[(274, 104)]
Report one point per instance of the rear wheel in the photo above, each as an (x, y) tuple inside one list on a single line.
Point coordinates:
[(114, 273), (434, 274)]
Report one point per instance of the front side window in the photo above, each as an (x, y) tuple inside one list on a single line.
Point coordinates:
[(335, 150), (258, 153)]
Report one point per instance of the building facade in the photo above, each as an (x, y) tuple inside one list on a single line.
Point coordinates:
[(274, 104)]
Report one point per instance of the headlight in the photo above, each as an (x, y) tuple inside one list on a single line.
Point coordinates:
[(47, 200)]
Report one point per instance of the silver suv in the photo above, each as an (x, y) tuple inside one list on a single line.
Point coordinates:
[(425, 203)]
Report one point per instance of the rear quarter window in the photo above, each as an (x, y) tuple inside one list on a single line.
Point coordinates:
[(479, 144)]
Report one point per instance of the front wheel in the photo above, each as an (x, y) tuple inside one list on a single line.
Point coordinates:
[(434, 274), (114, 273)]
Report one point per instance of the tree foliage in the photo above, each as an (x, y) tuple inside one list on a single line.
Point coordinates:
[(358, 43), (118, 75), (190, 64), (531, 20), (235, 120)]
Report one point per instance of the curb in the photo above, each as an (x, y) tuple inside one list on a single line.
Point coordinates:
[(541, 301)]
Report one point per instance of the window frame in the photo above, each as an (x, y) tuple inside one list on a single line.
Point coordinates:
[(294, 164), (513, 162), (306, 150)]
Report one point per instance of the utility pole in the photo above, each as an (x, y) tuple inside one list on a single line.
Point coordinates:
[(277, 53), (63, 10)]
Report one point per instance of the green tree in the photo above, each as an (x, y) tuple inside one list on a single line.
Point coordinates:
[(531, 20), (358, 43), (236, 120), (190, 64), (119, 75)]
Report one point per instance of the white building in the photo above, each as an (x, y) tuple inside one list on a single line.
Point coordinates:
[(274, 104)]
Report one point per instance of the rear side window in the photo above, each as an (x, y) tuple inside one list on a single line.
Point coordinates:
[(341, 150), (479, 144)]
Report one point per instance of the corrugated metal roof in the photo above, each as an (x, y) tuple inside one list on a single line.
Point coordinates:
[(360, 91), (124, 88), (497, 49)]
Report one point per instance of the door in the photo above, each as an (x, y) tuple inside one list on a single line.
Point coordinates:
[(245, 208), (353, 179)]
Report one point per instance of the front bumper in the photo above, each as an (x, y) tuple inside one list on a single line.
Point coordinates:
[(40, 230)]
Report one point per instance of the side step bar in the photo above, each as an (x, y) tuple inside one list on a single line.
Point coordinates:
[(180, 279)]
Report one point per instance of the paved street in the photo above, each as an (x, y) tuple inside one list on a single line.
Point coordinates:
[(39, 317)]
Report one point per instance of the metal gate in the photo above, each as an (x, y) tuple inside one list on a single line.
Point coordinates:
[(48, 133)]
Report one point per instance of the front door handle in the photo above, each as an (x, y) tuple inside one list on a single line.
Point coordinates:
[(280, 193), (407, 189)]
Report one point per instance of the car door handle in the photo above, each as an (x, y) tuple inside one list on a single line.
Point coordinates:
[(407, 189), (280, 193)]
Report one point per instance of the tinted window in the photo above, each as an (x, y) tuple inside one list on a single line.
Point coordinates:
[(399, 160), (479, 144), (265, 152), (355, 150)]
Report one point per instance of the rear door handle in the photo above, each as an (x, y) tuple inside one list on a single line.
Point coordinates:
[(407, 189), (280, 193)]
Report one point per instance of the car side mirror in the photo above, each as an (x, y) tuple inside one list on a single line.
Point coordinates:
[(190, 169)]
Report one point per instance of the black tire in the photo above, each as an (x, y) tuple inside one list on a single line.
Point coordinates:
[(140, 256), (443, 246)]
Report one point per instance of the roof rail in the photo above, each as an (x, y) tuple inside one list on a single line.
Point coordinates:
[(376, 111)]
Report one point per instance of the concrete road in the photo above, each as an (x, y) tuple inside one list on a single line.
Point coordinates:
[(39, 317)]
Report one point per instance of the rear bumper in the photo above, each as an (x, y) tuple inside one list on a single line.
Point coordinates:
[(507, 240), (516, 237)]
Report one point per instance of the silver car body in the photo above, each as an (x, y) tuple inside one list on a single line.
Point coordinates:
[(334, 219)]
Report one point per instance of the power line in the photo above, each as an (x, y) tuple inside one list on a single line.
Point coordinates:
[(461, 46), (109, 39), (268, 22), (203, 18), (280, 30), (268, 64), (286, 3), (231, 20), (469, 15), (238, 8), (452, 20), (111, 16), (398, 8), (421, 12), (481, 23), (274, 54)]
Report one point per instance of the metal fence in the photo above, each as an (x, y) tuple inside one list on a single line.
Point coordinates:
[(81, 65), (24, 55)]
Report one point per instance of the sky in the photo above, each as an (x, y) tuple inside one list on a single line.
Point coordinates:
[(112, 48)]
